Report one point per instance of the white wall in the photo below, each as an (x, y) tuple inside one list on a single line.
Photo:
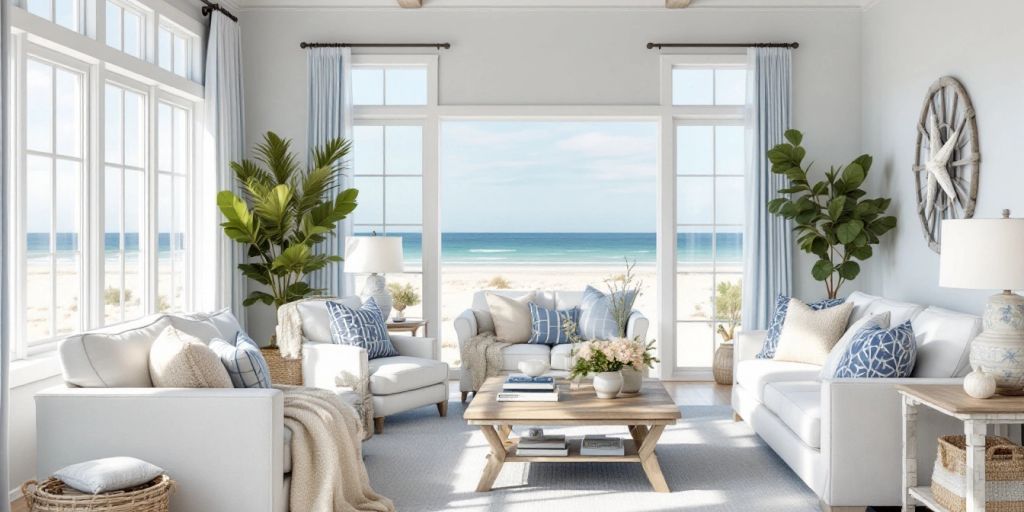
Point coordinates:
[(907, 44), (22, 431), (559, 57)]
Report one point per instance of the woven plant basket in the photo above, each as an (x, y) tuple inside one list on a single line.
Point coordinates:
[(282, 370), (1004, 474), (53, 496), (721, 369)]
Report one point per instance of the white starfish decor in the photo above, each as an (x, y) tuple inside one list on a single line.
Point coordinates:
[(938, 159)]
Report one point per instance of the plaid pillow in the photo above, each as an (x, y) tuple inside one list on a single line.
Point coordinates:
[(243, 361)]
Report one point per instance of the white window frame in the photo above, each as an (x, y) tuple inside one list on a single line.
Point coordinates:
[(81, 5), (190, 158), (191, 46), (146, 32)]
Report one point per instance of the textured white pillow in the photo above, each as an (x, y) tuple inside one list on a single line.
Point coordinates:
[(828, 370), (107, 475), (177, 360), (808, 335), (511, 317)]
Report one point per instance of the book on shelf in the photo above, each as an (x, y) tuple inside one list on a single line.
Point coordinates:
[(600, 445), (542, 452), (547, 442), (519, 381), (529, 396)]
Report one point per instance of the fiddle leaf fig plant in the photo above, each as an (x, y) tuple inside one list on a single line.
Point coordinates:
[(283, 211), (833, 219)]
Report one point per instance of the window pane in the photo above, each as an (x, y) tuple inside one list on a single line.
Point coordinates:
[(729, 200), (404, 147), (693, 200), (694, 246), (729, 248), (728, 299), (134, 129), (368, 86), (68, 256), (134, 219), (694, 150), (694, 344), (730, 86), (66, 14), (730, 150), (113, 136), (180, 56), (692, 87), (164, 137), (404, 200), (694, 291), (39, 106), (40, 8), (406, 86), (69, 113), (411, 246), (180, 242), (133, 34), (112, 199), (368, 146), (164, 56), (113, 26), (181, 144), (371, 200), (165, 266), (39, 207)]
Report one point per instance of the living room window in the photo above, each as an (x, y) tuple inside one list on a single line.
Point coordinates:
[(174, 159), (174, 48), (66, 13), (126, 28)]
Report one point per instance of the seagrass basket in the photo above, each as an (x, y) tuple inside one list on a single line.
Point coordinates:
[(1004, 474), (53, 496), (282, 370)]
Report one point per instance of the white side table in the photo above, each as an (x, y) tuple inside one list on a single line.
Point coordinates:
[(976, 414)]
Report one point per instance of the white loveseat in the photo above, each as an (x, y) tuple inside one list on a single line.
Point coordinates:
[(466, 326), (843, 437)]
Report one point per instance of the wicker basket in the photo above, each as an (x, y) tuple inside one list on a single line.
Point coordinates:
[(53, 496), (282, 370), (1004, 474), (721, 370)]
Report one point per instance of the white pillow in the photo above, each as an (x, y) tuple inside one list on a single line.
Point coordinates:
[(177, 360), (511, 317), (808, 335), (828, 370), (107, 475)]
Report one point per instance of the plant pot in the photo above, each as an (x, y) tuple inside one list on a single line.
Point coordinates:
[(632, 380), (607, 384), (722, 367)]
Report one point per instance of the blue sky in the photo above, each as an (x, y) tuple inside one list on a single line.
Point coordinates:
[(548, 176)]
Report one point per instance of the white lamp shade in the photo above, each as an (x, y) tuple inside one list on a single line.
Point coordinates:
[(984, 254), (373, 254)]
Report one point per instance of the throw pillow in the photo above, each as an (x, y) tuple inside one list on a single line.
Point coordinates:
[(483, 321), (363, 327), (876, 352), (243, 361), (511, 317), (832, 362), (779, 317), (107, 475), (177, 360), (546, 324), (808, 334), (596, 321)]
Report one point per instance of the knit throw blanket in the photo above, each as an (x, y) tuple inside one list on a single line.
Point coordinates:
[(481, 355), (328, 474)]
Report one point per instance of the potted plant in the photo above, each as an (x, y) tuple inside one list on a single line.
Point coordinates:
[(403, 296), (603, 359)]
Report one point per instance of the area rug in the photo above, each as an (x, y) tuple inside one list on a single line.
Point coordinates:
[(424, 462)]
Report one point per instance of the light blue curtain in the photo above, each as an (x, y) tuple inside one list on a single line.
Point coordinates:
[(767, 239), (330, 116), (5, 338)]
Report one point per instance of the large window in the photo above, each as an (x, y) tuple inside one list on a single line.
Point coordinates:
[(173, 164), (66, 13), (126, 28), (174, 49)]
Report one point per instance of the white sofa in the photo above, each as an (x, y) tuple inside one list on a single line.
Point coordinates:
[(842, 437), (558, 356)]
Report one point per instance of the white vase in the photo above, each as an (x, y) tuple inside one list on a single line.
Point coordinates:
[(607, 384), (632, 380)]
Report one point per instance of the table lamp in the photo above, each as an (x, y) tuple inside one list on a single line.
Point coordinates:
[(375, 255), (989, 254)]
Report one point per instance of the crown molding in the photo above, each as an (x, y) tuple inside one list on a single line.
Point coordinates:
[(551, 4)]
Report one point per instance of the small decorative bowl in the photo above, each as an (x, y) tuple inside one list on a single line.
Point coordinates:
[(534, 368)]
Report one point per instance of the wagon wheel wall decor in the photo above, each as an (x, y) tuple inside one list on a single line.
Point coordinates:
[(947, 159)]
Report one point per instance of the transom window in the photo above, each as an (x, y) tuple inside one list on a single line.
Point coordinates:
[(66, 13), (126, 28), (389, 85), (709, 85), (174, 49)]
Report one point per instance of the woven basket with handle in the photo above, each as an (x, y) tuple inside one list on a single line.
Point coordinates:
[(282, 370), (52, 495), (1004, 474)]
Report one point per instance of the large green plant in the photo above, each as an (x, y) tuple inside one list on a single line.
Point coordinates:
[(833, 220), (283, 212)]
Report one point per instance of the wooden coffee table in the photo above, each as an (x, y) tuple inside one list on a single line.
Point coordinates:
[(645, 416)]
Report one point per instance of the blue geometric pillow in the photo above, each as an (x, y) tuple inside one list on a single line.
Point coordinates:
[(596, 322), (771, 341), (363, 327), (880, 353), (243, 361), (546, 324)]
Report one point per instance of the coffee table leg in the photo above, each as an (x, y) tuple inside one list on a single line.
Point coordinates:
[(649, 460), (505, 431), (494, 461), (638, 433)]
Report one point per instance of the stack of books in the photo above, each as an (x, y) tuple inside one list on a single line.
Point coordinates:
[(542, 446), (602, 446), (522, 388)]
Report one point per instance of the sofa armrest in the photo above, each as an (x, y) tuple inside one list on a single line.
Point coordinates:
[(862, 435), (637, 326), (465, 326), (745, 346), (415, 346), (329, 365), (184, 431)]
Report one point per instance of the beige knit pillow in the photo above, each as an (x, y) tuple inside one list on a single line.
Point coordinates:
[(178, 360), (511, 317), (807, 335)]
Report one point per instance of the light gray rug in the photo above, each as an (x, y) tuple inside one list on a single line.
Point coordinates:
[(424, 462)]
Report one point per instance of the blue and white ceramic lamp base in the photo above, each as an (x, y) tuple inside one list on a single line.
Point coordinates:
[(999, 349)]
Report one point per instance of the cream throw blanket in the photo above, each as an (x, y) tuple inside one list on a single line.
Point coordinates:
[(328, 474), (481, 355)]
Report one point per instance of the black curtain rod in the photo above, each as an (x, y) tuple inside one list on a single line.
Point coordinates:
[(722, 45), (439, 46), (209, 7)]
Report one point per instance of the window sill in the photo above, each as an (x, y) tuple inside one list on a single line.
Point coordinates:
[(34, 369)]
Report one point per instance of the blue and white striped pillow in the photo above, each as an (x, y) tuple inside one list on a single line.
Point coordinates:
[(876, 352), (546, 324), (596, 322), (243, 361), (363, 327), (771, 341)]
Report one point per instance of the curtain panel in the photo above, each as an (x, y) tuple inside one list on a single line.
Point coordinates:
[(767, 239), (330, 116), (5, 316)]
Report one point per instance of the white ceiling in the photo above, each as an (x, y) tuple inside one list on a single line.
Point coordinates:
[(556, 4)]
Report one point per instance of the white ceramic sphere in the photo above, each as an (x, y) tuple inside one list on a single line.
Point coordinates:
[(534, 368), (979, 384)]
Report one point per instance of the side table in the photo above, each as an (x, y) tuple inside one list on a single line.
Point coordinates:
[(410, 325)]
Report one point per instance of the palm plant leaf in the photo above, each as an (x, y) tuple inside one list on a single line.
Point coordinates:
[(275, 153)]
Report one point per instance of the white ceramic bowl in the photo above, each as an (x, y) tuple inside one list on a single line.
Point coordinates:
[(534, 368)]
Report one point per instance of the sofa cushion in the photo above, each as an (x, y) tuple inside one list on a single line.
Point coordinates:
[(566, 300), (944, 342), (547, 326), (541, 298), (828, 370), (243, 360), (596, 321), (364, 327), (860, 301), (876, 352), (778, 319), (899, 311), (179, 360), (798, 405), (755, 374), (391, 375), (223, 322), (512, 355), (316, 322), (511, 316), (808, 334), (561, 357), (114, 357)]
